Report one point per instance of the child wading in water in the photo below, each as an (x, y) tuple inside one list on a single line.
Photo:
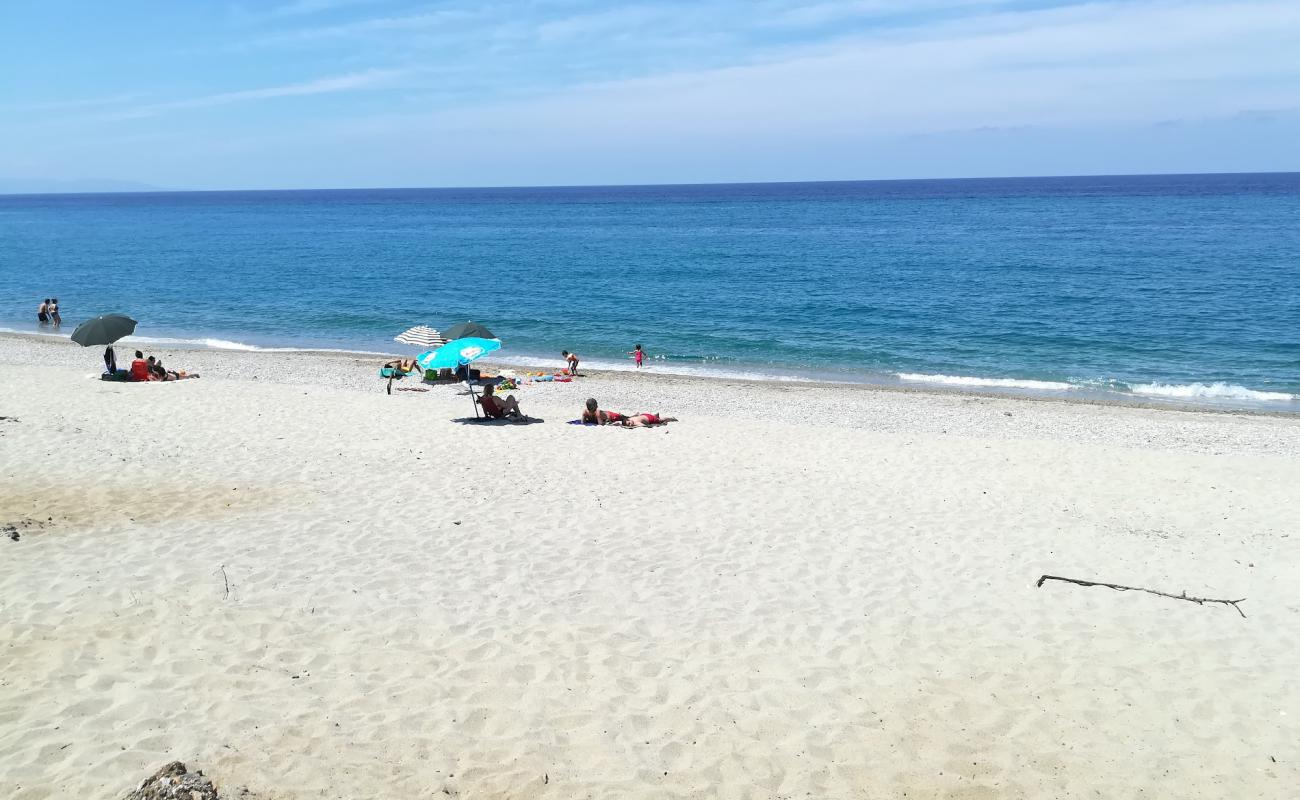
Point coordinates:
[(638, 355)]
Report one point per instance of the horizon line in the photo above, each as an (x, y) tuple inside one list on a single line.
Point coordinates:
[(507, 187)]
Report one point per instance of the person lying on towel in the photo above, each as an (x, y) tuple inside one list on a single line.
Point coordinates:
[(498, 408), (593, 414), (406, 365), (646, 420)]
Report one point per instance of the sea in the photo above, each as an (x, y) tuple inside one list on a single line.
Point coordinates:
[(1176, 288)]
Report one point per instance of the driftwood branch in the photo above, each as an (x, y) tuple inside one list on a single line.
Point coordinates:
[(1200, 601)]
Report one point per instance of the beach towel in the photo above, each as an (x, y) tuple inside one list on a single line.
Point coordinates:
[(498, 420)]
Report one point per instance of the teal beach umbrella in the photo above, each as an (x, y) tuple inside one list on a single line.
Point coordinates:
[(457, 353)]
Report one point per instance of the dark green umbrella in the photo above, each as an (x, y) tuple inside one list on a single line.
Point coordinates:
[(468, 330), (103, 330)]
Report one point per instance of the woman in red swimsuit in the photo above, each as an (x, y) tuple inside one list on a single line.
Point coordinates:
[(646, 420)]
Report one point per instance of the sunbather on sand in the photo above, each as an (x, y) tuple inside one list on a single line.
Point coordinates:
[(499, 408), (403, 364), (646, 420), (165, 374), (594, 415)]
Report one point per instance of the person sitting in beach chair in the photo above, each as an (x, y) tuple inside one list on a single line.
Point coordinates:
[(594, 415), (498, 408)]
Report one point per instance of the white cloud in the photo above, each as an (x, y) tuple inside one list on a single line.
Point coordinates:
[(76, 104), (299, 8), (340, 83), (1095, 63)]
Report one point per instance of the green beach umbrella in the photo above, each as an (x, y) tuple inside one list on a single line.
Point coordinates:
[(105, 329), (468, 330)]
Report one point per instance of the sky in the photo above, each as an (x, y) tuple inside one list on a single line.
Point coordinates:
[(204, 94)]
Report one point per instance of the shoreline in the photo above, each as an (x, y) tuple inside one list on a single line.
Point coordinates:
[(354, 357)]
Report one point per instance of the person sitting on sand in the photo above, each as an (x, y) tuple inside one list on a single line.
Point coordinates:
[(139, 368), (594, 415), (646, 420), (572, 360), (498, 408), (155, 369)]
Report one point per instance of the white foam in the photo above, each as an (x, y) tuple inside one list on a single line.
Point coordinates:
[(240, 347), (205, 344), (655, 366), (1210, 391), (997, 383)]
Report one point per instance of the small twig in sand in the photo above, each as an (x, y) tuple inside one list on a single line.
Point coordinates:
[(226, 580), (1200, 601)]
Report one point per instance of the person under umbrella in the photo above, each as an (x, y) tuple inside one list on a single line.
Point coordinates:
[(105, 330), (499, 408), (459, 353)]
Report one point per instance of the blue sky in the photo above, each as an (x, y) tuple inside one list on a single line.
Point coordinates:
[(335, 93)]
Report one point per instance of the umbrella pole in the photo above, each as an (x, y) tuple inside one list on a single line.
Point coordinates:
[(469, 385), (472, 397)]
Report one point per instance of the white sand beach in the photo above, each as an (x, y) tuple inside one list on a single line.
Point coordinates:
[(304, 586)]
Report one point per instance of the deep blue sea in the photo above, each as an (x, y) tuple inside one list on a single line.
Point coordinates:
[(1181, 287)]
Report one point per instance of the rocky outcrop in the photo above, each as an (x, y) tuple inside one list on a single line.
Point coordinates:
[(175, 782)]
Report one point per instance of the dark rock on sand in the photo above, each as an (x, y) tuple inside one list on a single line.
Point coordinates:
[(175, 782)]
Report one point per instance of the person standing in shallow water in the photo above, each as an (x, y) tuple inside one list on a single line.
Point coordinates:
[(53, 310), (43, 311), (638, 355)]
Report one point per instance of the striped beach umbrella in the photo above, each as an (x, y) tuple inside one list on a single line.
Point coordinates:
[(421, 336)]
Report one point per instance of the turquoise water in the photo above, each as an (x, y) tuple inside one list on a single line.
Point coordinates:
[(1183, 287)]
